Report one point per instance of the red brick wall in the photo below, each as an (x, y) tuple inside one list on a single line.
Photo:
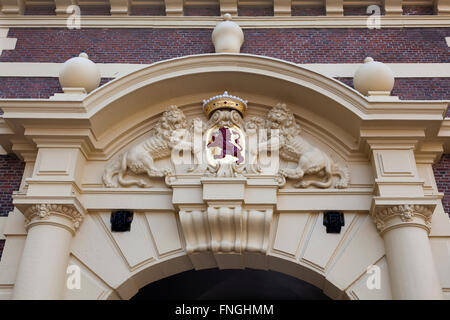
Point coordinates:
[(255, 11), (394, 45), (442, 175), (307, 11), (98, 10), (35, 87), (147, 11), (40, 10), (417, 10), (202, 11), (417, 88), (11, 171)]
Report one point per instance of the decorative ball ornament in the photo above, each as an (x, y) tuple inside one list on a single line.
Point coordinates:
[(227, 36), (224, 101), (373, 76), (80, 72)]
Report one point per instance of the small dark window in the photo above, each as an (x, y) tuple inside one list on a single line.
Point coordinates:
[(121, 220)]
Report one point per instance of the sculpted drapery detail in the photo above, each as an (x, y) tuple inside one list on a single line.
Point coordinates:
[(227, 145)]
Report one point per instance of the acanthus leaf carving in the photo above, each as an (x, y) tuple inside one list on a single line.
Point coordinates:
[(405, 212), (45, 211)]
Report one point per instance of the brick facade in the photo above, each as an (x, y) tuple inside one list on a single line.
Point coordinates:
[(418, 10), (391, 45), (35, 87), (11, 171)]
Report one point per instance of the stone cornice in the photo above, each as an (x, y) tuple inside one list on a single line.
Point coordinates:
[(17, 21), (403, 215)]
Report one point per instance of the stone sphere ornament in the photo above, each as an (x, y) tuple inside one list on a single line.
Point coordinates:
[(227, 36), (373, 76), (80, 72)]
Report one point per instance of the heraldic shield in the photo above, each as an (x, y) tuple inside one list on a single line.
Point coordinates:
[(225, 144)]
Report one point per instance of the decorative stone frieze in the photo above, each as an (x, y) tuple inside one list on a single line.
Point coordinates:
[(226, 228), (228, 145), (64, 215), (403, 215)]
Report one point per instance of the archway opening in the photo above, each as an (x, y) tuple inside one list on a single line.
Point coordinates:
[(231, 284)]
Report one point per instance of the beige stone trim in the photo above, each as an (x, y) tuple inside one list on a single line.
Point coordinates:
[(282, 7), (447, 39), (174, 7), (6, 43), (228, 6), (442, 7), (334, 8), (120, 7), (2, 227), (344, 70), (12, 6), (210, 22), (61, 6), (393, 7)]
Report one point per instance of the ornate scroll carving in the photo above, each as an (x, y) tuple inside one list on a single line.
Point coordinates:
[(226, 229), (45, 211), (406, 213), (292, 147)]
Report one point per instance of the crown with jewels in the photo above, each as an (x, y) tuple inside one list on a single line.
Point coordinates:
[(224, 101)]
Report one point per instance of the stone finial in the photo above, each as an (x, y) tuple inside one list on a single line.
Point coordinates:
[(79, 72), (227, 36), (373, 77)]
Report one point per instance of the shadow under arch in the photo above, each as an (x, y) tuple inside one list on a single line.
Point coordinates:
[(230, 284), (181, 263)]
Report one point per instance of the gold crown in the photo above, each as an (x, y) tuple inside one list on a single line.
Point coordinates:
[(224, 101)]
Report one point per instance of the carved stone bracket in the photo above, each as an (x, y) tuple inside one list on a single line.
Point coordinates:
[(63, 215), (386, 218), (226, 228)]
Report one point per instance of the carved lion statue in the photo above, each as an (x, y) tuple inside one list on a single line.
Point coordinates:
[(310, 160), (169, 131)]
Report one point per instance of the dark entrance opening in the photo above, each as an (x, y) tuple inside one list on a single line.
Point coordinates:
[(214, 284)]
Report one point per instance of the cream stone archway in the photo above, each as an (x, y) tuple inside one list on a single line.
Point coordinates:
[(387, 146)]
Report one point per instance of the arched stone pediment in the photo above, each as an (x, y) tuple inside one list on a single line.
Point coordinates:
[(124, 102)]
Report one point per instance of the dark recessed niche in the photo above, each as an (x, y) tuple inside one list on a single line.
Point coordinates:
[(333, 221), (121, 220)]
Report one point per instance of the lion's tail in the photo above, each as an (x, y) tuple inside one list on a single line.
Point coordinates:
[(109, 174), (331, 169), (128, 181), (343, 174)]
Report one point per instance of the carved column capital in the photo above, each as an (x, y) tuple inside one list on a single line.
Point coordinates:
[(66, 216), (395, 216)]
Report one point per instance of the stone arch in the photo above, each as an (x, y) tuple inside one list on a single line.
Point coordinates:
[(121, 264), (279, 229)]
